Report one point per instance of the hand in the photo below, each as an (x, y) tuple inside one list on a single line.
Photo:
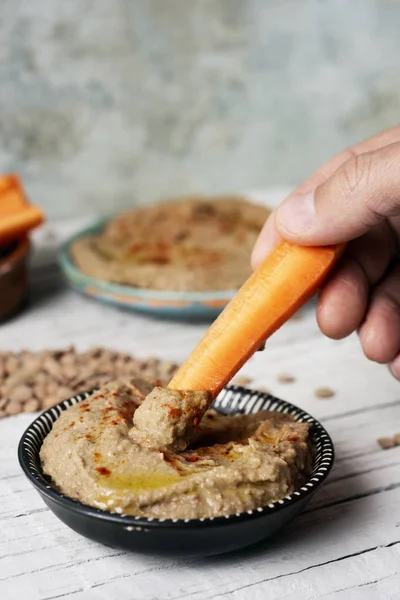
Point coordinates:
[(355, 198)]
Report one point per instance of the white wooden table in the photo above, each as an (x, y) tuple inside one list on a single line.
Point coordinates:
[(346, 546)]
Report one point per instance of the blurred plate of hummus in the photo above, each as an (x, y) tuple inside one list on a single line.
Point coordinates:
[(183, 257)]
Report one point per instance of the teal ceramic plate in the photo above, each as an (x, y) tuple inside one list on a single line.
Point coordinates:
[(184, 305)]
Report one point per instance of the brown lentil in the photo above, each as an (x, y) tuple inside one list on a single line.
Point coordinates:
[(324, 392), (285, 378), (241, 380), (32, 381), (386, 442)]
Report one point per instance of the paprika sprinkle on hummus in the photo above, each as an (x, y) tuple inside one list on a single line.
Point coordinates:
[(129, 453)]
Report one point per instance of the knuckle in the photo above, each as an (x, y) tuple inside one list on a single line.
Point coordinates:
[(356, 174), (389, 300)]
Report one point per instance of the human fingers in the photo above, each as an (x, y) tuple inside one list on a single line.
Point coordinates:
[(380, 332), (360, 194), (267, 239), (269, 236), (344, 299)]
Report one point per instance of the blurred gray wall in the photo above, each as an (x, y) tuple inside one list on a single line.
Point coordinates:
[(108, 102)]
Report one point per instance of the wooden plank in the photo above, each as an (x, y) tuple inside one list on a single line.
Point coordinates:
[(315, 540)]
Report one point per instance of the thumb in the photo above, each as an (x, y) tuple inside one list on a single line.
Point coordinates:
[(359, 194)]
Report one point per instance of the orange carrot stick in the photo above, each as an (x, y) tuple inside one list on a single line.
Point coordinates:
[(12, 197), (287, 279), (16, 225), (17, 216), (8, 182)]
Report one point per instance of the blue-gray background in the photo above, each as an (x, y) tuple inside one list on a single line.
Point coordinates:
[(108, 102)]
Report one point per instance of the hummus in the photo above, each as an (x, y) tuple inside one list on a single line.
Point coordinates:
[(168, 465), (190, 244), (167, 419)]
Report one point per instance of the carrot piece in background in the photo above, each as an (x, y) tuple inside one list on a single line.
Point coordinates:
[(11, 202), (288, 277), (12, 197), (16, 225), (9, 181), (17, 216)]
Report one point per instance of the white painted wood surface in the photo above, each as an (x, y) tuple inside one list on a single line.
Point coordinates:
[(345, 546)]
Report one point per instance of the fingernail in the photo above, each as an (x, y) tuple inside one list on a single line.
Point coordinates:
[(267, 239), (394, 367), (263, 246), (296, 214)]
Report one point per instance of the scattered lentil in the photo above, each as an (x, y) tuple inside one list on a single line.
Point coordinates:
[(324, 392), (285, 378), (241, 380), (386, 442), (32, 381), (263, 389)]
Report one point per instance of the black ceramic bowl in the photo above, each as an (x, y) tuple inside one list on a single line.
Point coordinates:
[(197, 537)]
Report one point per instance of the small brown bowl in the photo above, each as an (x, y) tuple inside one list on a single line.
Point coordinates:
[(13, 277)]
